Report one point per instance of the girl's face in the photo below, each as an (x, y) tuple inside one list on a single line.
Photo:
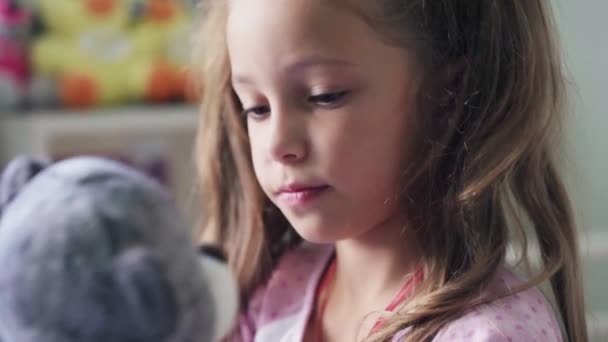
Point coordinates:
[(330, 113)]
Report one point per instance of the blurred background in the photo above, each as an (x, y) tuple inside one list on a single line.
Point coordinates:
[(584, 32), (100, 77), (110, 77)]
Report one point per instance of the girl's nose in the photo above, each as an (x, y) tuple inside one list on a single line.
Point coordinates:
[(288, 141)]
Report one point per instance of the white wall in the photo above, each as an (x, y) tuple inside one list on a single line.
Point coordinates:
[(584, 29), (584, 32)]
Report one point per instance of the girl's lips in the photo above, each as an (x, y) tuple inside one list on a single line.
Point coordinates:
[(300, 195)]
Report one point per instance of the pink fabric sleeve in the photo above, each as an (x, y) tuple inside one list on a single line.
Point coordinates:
[(522, 317), (499, 328), (476, 334)]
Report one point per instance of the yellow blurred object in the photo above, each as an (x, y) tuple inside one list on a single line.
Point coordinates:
[(97, 56), (49, 54), (70, 18), (163, 29)]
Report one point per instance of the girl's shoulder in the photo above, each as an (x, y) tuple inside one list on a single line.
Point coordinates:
[(522, 316), (283, 302)]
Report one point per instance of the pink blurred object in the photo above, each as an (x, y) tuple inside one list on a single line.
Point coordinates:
[(14, 65)]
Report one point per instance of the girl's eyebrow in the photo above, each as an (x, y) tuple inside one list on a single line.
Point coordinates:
[(314, 61), (298, 66)]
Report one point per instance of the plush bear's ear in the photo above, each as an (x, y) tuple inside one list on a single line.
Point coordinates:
[(17, 175)]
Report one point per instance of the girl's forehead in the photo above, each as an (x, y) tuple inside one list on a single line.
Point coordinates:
[(279, 12), (281, 5), (290, 26), (291, 14)]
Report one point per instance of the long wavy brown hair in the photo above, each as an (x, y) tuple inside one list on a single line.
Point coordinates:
[(485, 177)]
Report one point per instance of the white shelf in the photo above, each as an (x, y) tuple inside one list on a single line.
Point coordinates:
[(35, 132), (136, 118)]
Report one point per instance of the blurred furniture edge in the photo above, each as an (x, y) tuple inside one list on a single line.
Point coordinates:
[(160, 129)]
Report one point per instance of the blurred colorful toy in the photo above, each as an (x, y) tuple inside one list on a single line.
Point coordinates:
[(14, 64), (100, 53), (85, 49), (162, 30)]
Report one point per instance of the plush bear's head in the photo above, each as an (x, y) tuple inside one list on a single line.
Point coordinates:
[(93, 251)]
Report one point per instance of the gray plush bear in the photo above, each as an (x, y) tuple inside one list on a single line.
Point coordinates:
[(93, 251)]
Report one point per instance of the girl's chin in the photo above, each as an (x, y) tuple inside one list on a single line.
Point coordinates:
[(317, 234), (318, 239), (321, 227)]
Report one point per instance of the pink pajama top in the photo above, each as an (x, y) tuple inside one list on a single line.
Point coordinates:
[(279, 311)]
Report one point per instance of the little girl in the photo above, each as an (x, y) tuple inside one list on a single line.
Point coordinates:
[(368, 164)]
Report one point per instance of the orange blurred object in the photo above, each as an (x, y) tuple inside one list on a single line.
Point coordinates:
[(186, 88), (180, 82), (161, 84), (161, 10), (101, 7), (167, 82), (78, 90), (191, 90)]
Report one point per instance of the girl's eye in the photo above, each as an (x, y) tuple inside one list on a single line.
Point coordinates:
[(328, 99), (258, 112)]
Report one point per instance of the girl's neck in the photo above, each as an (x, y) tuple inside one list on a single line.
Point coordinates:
[(373, 267)]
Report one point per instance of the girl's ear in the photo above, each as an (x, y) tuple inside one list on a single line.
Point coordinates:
[(19, 172)]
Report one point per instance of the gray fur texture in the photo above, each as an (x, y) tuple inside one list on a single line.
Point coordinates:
[(93, 251)]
